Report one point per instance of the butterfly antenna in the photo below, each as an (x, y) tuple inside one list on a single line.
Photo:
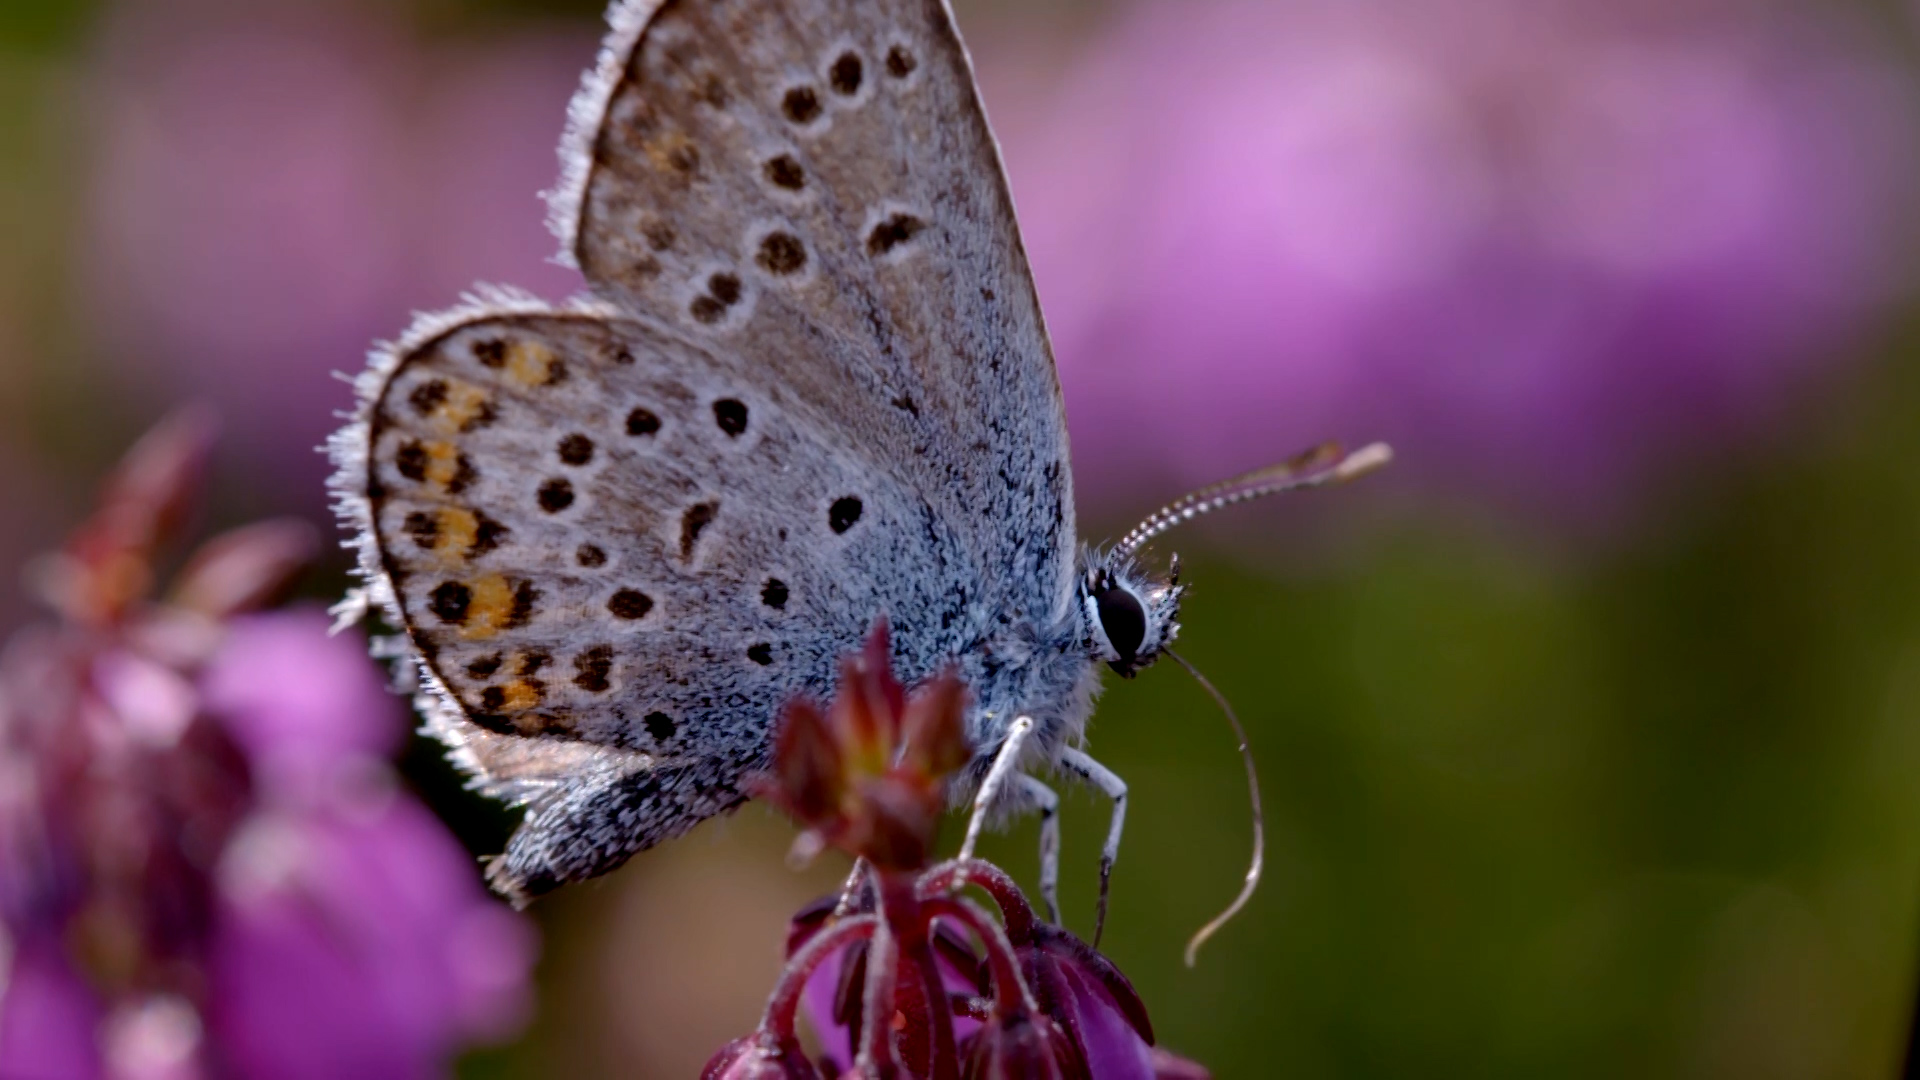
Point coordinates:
[(1323, 465), (1259, 859)]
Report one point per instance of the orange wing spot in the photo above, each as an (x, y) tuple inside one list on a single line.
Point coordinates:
[(489, 609), (673, 152), (464, 404), (521, 695), (443, 463), (529, 363), (458, 529)]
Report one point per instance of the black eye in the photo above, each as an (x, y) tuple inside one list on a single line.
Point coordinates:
[(1124, 620)]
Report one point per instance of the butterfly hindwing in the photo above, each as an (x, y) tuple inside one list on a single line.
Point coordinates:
[(617, 555), (812, 185)]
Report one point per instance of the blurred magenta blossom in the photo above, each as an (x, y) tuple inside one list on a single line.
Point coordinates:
[(207, 867), (1540, 246), (1545, 247), (278, 186)]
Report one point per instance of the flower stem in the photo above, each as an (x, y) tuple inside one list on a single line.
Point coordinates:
[(784, 1002), (959, 873), (939, 1011), (1009, 989), (875, 1056)]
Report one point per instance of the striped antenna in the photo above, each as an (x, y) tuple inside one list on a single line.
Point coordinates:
[(1325, 464)]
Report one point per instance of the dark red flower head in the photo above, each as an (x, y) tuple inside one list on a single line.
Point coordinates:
[(868, 774), (904, 975)]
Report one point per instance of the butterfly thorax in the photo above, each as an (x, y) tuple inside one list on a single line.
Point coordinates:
[(1050, 670)]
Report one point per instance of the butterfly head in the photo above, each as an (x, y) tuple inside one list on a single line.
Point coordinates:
[(1129, 615)]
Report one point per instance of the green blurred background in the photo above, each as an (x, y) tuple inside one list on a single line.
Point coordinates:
[(1564, 777)]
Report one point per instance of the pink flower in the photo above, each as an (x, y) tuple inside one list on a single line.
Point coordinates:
[(1545, 249), (206, 865)]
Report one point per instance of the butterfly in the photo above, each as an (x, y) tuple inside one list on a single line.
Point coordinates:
[(810, 387)]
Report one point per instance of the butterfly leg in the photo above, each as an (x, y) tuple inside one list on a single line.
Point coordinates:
[(998, 776), (1110, 785), (1043, 799)]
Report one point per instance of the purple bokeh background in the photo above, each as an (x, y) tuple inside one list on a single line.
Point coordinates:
[(1551, 250), (1545, 248)]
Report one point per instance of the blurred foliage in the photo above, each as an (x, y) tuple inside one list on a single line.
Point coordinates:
[(1646, 813), (44, 25), (1652, 815)]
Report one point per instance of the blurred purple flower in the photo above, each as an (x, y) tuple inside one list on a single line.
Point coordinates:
[(1541, 246), (277, 186), (206, 866)]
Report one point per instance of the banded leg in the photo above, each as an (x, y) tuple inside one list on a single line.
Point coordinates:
[(1048, 803), (1110, 785)]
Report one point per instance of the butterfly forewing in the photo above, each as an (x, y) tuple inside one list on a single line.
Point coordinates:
[(813, 186)]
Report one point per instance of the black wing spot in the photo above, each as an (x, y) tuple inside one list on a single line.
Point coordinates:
[(484, 667), (491, 352), (893, 232), (487, 534), (493, 699), (556, 495), (411, 461), (685, 158), (723, 291), (801, 105), (464, 474), (784, 172), (623, 355), (782, 253), (424, 528), (900, 62), (692, 524), (774, 594), (482, 416), (428, 396), (844, 514), (532, 661), (576, 449), (761, 654), (449, 601), (731, 415), (660, 235), (630, 604), (591, 668), (660, 726), (642, 422), (846, 74), (590, 556), (524, 596)]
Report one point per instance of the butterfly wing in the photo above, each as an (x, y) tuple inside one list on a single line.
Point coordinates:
[(616, 554), (812, 184), (816, 389)]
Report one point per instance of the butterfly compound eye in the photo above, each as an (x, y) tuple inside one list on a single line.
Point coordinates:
[(1124, 620)]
